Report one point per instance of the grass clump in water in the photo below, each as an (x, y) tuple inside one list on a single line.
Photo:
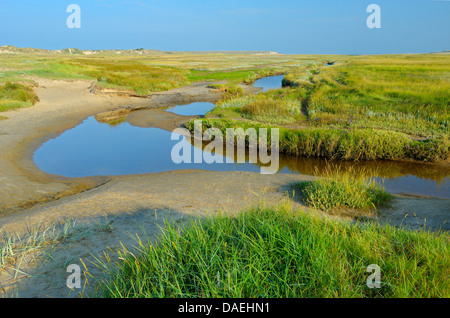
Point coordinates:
[(339, 189), (280, 253)]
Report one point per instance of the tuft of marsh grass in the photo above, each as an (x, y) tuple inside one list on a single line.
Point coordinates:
[(279, 107), (343, 189), (302, 75), (271, 110), (352, 145), (402, 93), (279, 253)]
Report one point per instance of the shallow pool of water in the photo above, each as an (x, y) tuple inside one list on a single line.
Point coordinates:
[(93, 149), (270, 82)]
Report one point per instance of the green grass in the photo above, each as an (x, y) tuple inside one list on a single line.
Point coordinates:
[(230, 76), (343, 190), (360, 108), (129, 74), (278, 107), (279, 253), (14, 95), (148, 72), (273, 111), (57, 70), (37, 238), (359, 144)]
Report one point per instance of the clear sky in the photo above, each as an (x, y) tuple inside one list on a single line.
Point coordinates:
[(286, 26)]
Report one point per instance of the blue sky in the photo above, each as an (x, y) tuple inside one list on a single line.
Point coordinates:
[(288, 26)]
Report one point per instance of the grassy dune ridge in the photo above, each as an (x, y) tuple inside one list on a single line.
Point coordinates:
[(355, 144), (339, 189), (409, 94)]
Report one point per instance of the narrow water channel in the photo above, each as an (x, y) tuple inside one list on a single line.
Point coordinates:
[(94, 148)]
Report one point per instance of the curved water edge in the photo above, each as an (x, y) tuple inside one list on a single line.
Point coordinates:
[(193, 109), (269, 82), (93, 148)]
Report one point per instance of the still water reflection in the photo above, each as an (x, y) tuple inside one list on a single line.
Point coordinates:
[(93, 148)]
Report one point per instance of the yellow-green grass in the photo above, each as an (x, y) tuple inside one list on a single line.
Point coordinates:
[(279, 107), (279, 253), (149, 72), (273, 111), (409, 94), (403, 101), (14, 95), (228, 90), (303, 75)]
